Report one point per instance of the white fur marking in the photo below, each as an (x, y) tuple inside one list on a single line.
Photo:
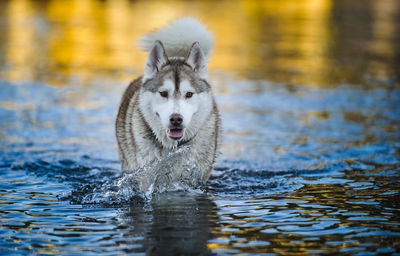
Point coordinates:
[(179, 36)]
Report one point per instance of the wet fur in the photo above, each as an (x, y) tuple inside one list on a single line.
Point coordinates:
[(142, 139)]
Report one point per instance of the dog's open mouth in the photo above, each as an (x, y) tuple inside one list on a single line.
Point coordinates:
[(175, 133)]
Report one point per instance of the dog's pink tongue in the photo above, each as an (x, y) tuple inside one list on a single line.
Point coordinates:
[(175, 133)]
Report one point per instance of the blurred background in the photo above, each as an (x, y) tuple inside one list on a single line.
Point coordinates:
[(308, 42), (309, 96)]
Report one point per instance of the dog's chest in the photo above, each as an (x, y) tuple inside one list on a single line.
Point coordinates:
[(150, 154)]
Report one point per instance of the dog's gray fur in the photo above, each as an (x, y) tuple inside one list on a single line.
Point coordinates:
[(142, 136)]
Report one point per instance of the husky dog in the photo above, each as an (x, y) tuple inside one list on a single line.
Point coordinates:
[(171, 106)]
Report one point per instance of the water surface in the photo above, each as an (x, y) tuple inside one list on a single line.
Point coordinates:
[(309, 98)]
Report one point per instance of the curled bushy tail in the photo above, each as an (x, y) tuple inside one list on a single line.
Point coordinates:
[(178, 37)]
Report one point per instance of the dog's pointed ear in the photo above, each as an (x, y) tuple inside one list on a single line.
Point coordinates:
[(155, 60), (197, 60)]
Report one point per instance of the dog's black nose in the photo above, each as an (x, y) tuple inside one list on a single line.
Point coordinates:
[(176, 119)]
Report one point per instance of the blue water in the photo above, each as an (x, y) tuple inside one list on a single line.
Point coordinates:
[(302, 170), (309, 95)]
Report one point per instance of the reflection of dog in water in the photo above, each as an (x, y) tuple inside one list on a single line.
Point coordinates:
[(171, 106)]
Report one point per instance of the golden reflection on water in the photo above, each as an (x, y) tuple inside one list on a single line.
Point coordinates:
[(311, 42)]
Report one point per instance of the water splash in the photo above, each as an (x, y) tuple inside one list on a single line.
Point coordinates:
[(175, 172), (108, 186)]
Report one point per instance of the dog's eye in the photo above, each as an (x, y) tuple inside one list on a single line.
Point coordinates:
[(164, 94), (189, 95)]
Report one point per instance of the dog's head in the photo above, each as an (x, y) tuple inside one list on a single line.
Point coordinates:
[(175, 98)]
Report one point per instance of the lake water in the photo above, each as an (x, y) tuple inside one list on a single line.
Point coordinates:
[(309, 95)]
